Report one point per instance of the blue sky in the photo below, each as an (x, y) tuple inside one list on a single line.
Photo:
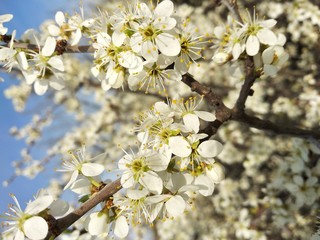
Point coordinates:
[(27, 14)]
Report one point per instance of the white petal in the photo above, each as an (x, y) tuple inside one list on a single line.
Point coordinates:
[(60, 19), (41, 86), (22, 60), (219, 31), (104, 39), (236, 51), (221, 58), (192, 121), (59, 208), (54, 30), (57, 63), (76, 37), (127, 180), (216, 173), (206, 185), (270, 70), (74, 176), (39, 204), (105, 85), (49, 47), (175, 206), (98, 224), (19, 235), (268, 23), (149, 51), (57, 84), (179, 146), (35, 228), (5, 18), (151, 181), (268, 55), (266, 36), (128, 59), (6, 53), (164, 9), (121, 227), (281, 39), (136, 42), (168, 44), (207, 116), (137, 194), (118, 38), (210, 148), (165, 23), (172, 75), (92, 169), (81, 186), (252, 45)]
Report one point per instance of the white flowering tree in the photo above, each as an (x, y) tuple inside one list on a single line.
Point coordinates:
[(191, 120)]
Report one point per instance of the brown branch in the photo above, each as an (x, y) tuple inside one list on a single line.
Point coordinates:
[(60, 225), (66, 48), (246, 87), (222, 112), (267, 125)]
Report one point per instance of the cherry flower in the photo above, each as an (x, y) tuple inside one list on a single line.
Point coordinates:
[(191, 46), (174, 203), (141, 168), (187, 111), (64, 30), (12, 57), (196, 152), (4, 18), (258, 32), (81, 164), (47, 67), (21, 223), (152, 34), (228, 42), (134, 206)]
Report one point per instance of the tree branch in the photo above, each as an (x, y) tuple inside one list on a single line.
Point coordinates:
[(266, 125), (60, 225)]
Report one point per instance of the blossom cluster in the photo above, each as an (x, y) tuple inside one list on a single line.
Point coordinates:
[(172, 163), (253, 38), (22, 224), (134, 43)]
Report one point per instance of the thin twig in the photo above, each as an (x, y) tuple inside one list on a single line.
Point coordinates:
[(60, 225)]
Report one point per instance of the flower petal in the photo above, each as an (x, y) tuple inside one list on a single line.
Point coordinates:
[(74, 176), (98, 223), (207, 116), (151, 181), (252, 45), (216, 173), (41, 86), (49, 47), (35, 228), (175, 205), (39, 204), (121, 227), (179, 146), (168, 44), (266, 36), (59, 208), (57, 63), (192, 121), (206, 185), (210, 148), (164, 9), (92, 169)]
